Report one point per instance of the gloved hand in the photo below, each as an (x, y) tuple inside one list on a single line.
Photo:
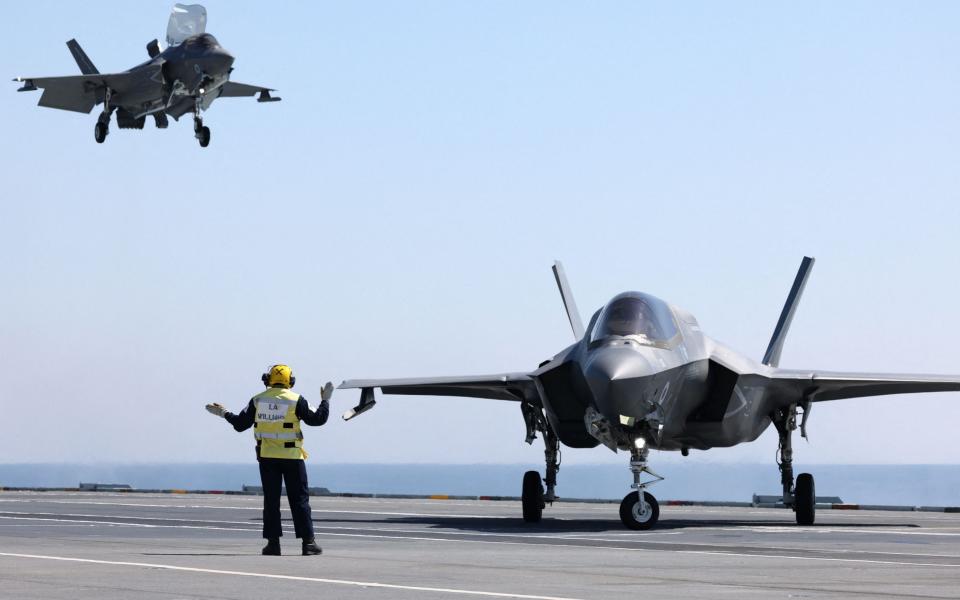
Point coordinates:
[(216, 409), (327, 392)]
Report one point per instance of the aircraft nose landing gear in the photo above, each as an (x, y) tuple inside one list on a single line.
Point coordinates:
[(639, 515), (639, 509)]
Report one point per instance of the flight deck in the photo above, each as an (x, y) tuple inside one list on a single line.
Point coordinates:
[(79, 545)]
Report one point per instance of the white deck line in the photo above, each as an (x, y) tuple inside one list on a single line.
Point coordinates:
[(421, 537), (347, 582)]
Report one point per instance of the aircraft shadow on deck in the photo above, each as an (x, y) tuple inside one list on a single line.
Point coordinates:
[(548, 525)]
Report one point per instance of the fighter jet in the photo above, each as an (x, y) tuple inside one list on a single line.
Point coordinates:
[(186, 77), (643, 375)]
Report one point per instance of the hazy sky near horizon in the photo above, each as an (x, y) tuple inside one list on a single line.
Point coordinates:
[(397, 215)]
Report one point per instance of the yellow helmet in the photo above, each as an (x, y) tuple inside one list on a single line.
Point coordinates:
[(279, 375)]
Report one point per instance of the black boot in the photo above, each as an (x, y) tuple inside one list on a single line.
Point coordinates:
[(272, 548), (311, 548)]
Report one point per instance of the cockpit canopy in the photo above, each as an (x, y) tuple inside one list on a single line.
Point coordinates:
[(186, 20), (636, 315)]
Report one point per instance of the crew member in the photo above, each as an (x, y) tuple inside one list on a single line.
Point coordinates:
[(275, 415)]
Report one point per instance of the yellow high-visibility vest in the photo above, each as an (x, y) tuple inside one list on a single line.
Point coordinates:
[(276, 425)]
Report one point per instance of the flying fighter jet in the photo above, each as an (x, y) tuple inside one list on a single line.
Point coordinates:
[(643, 375), (186, 77)]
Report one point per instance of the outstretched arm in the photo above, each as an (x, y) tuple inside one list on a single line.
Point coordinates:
[(314, 418), (317, 417), (244, 420)]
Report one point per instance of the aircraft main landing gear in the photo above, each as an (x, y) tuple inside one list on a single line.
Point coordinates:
[(802, 497), (639, 509), (534, 498), (102, 128), (200, 131), (100, 131), (805, 499)]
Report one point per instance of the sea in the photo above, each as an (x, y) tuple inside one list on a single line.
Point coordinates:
[(912, 485)]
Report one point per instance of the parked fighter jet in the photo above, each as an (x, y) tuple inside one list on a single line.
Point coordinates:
[(642, 375), (184, 78)]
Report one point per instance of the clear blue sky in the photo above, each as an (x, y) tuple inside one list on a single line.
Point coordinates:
[(398, 212)]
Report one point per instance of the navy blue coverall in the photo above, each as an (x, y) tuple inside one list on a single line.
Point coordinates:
[(275, 471)]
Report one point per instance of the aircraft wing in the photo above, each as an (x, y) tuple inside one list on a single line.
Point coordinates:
[(819, 386), (232, 89), (507, 386), (80, 93)]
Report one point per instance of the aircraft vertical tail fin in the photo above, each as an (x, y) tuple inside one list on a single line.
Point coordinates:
[(568, 303), (83, 61), (772, 356)]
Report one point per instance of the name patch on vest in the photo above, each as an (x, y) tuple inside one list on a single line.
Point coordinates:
[(271, 412)]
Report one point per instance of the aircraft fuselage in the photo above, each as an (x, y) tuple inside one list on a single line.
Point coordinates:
[(676, 393), (195, 68)]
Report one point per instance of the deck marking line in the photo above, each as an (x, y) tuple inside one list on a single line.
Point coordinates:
[(259, 508), (369, 584), (522, 543)]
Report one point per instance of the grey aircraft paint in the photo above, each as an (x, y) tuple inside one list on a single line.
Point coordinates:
[(184, 78), (643, 375)]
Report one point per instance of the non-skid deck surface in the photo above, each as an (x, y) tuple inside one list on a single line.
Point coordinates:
[(122, 546)]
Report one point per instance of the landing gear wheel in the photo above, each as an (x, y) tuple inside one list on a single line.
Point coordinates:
[(635, 515), (203, 134), (100, 131), (532, 497), (805, 499)]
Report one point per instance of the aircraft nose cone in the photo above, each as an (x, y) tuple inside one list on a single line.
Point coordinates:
[(218, 62), (226, 60), (619, 378), (616, 363)]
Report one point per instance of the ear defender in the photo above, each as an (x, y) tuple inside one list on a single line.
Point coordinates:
[(266, 377)]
